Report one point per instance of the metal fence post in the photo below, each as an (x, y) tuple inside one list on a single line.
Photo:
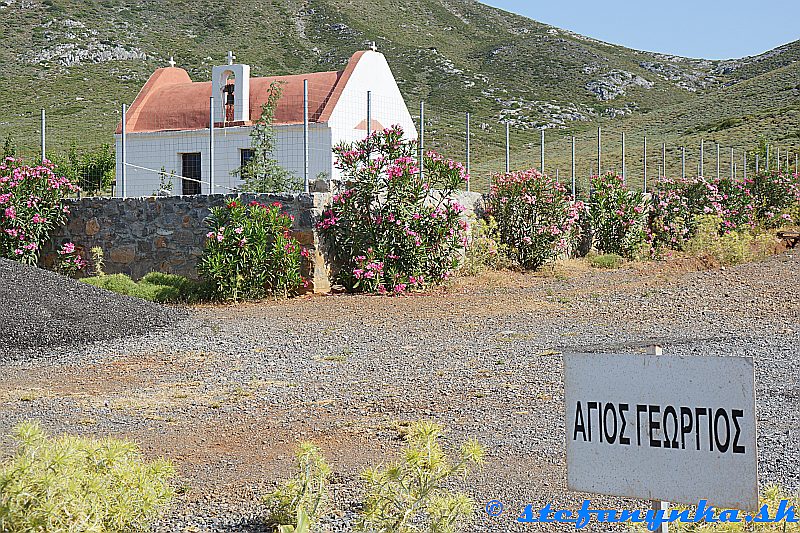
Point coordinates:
[(683, 162), (733, 172), (664, 159), (599, 151), (306, 185), (623, 158), (369, 112), (573, 167), (124, 150), (44, 129), (421, 137), (508, 149), (717, 160), (702, 155), (795, 164), (542, 147), (644, 165), (468, 154), (757, 163), (210, 146)]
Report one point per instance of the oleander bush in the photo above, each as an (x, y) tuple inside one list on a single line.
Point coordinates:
[(31, 207), (536, 218), (69, 484), (775, 196), (392, 229), (250, 253), (617, 217)]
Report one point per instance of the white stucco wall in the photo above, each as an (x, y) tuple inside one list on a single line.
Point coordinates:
[(152, 151), (372, 73)]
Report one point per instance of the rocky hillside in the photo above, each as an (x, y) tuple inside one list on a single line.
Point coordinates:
[(80, 59)]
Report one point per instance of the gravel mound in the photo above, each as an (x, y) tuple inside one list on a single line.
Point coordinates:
[(42, 309)]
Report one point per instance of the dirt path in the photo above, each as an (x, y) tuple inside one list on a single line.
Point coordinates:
[(229, 392)]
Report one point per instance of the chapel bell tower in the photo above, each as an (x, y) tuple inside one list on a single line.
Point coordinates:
[(230, 87)]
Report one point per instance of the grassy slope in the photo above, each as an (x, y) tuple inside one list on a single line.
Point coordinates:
[(458, 55)]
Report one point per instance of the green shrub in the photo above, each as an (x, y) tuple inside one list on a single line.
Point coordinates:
[(605, 260), (484, 251), (392, 229), (70, 484), (302, 500), (250, 253), (617, 217), (93, 171), (403, 493), (155, 287), (731, 248), (536, 218)]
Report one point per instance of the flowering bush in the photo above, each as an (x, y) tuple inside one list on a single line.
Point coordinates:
[(69, 261), (536, 218), (775, 196), (671, 221), (677, 204), (391, 230), (250, 253), (617, 216), (31, 206)]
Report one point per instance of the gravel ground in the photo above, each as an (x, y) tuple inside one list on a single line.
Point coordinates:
[(227, 393), (44, 309)]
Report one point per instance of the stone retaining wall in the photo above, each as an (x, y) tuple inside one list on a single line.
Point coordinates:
[(166, 234)]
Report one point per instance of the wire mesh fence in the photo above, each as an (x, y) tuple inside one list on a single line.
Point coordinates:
[(312, 116)]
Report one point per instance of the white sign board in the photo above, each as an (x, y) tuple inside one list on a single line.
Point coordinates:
[(662, 427)]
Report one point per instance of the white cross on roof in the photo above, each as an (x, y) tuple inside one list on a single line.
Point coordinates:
[(231, 57), (171, 61)]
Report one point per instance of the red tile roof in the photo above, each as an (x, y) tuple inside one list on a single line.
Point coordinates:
[(171, 101)]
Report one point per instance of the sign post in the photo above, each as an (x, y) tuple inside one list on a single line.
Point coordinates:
[(662, 428)]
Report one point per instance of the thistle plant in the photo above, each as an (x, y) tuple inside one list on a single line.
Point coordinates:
[(411, 492), (298, 504), (67, 484)]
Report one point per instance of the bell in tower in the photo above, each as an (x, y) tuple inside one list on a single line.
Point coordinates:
[(230, 87), (229, 101)]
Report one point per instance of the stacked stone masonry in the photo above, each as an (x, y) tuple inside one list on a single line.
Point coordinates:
[(166, 234)]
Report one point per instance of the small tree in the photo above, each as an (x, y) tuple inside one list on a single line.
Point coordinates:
[(93, 171), (9, 147), (262, 173)]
